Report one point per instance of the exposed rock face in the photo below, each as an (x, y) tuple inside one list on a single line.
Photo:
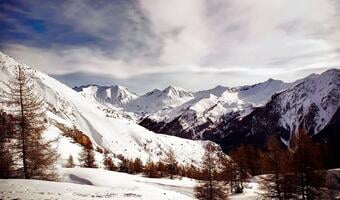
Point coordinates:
[(310, 104)]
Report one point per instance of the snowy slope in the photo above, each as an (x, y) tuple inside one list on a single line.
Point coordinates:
[(310, 104), (81, 183), (192, 118), (235, 114), (116, 95), (118, 135), (157, 100), (174, 110), (97, 184)]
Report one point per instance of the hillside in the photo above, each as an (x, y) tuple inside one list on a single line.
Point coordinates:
[(105, 127)]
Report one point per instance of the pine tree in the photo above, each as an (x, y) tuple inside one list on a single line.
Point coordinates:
[(70, 162), (171, 163), (211, 189), (37, 155), (87, 159)]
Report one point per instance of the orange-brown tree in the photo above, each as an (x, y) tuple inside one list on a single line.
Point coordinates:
[(150, 169), (7, 148), (108, 162), (307, 166), (277, 184), (24, 102), (210, 188), (171, 163), (86, 158), (239, 168), (138, 165)]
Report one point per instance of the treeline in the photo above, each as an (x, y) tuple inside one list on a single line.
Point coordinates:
[(24, 153), (297, 172), (166, 167)]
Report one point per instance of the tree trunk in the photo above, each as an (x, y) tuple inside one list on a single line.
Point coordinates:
[(23, 136)]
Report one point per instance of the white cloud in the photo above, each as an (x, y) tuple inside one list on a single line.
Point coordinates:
[(269, 38)]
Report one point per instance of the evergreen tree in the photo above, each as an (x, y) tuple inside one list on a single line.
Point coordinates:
[(28, 107), (87, 159), (70, 162), (210, 189)]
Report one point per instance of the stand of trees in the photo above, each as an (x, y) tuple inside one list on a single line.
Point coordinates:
[(277, 162), (28, 156), (296, 172)]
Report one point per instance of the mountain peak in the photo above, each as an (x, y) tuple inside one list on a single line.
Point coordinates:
[(115, 94), (177, 91), (271, 80), (331, 71), (172, 88)]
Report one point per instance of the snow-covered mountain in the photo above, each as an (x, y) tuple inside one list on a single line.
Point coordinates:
[(252, 111), (186, 114), (115, 95), (311, 103), (193, 118), (116, 134), (231, 116), (157, 100)]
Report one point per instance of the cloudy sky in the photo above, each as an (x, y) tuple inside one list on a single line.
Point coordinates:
[(193, 44)]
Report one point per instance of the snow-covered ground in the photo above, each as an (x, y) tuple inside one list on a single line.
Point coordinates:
[(118, 135), (81, 183)]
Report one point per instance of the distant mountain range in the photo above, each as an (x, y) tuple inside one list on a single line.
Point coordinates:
[(106, 126), (231, 116), (117, 119)]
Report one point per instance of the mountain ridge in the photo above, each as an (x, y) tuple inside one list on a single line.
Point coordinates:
[(112, 132), (207, 113)]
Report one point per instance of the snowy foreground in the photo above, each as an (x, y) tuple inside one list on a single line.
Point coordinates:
[(80, 183)]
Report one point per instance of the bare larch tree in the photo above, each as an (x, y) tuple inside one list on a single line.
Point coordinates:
[(24, 102)]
